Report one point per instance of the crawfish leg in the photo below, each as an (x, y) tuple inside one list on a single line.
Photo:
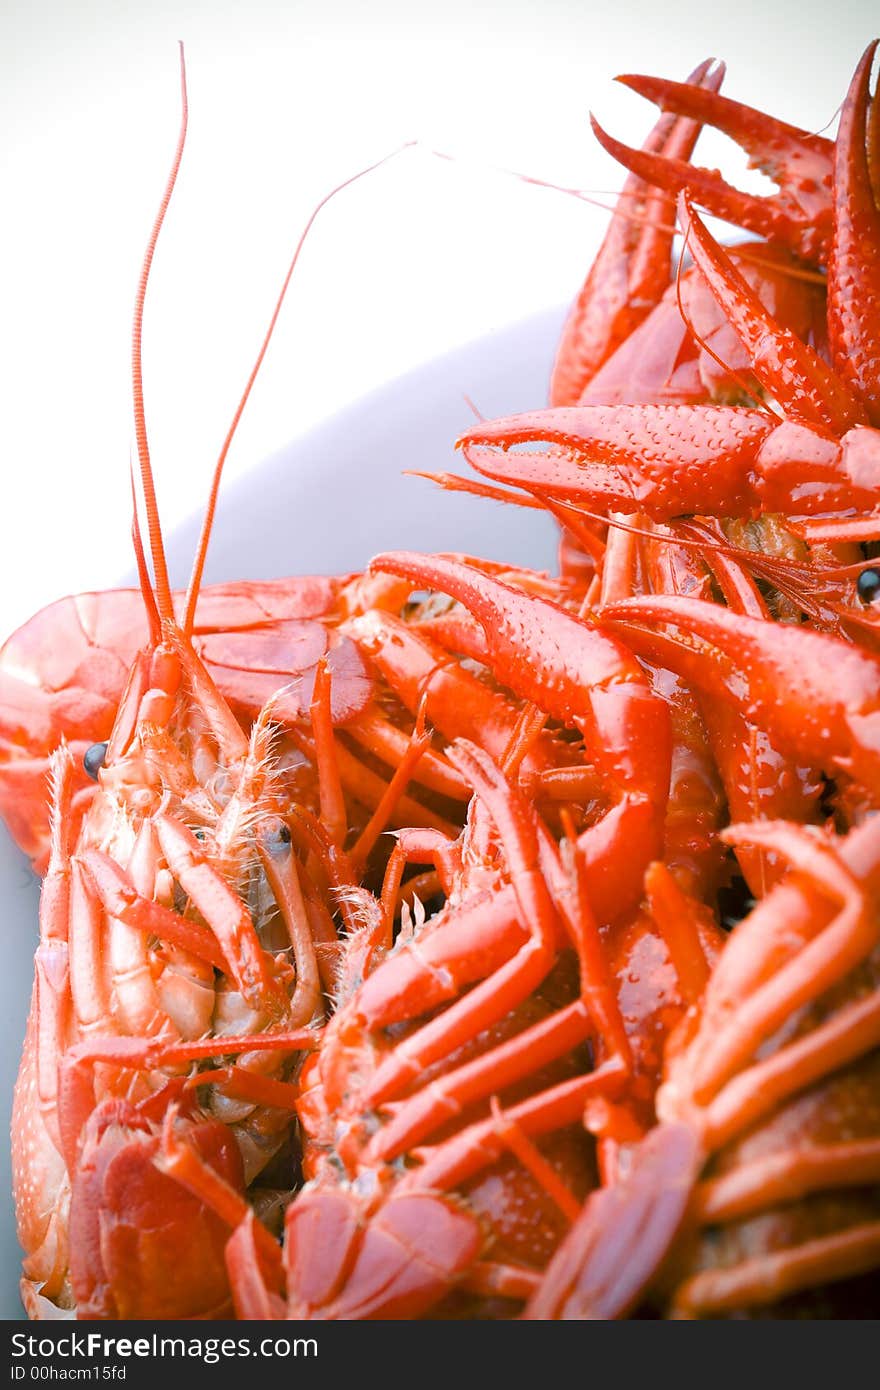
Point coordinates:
[(821, 963), (449, 1164), (513, 982), (846, 1037), (528, 1052), (787, 1177), (768, 1278)]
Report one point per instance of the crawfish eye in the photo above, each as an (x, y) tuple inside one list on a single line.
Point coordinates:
[(278, 839), (93, 759), (868, 585)]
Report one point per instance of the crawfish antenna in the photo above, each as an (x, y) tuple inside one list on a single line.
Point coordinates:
[(143, 573), (207, 524), (154, 530)]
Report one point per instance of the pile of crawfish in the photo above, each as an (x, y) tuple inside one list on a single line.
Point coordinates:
[(457, 941)]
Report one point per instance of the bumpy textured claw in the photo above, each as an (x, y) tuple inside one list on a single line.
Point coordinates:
[(632, 268), (794, 374), (819, 697), (629, 458), (687, 352), (779, 150), (571, 670), (671, 461), (854, 263), (798, 216)]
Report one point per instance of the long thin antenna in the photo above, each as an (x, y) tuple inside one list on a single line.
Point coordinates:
[(154, 530), (207, 524), (143, 573), (591, 197)]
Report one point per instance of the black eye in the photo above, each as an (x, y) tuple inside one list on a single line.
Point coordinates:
[(868, 585), (93, 759), (278, 839)]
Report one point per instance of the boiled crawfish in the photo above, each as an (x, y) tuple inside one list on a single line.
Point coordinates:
[(770, 1085), (548, 1018), (188, 898)]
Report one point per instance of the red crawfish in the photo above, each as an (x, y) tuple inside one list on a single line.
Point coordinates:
[(178, 967), (757, 1192), (443, 1148)]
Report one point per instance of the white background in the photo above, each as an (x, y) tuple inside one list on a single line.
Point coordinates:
[(287, 99)]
